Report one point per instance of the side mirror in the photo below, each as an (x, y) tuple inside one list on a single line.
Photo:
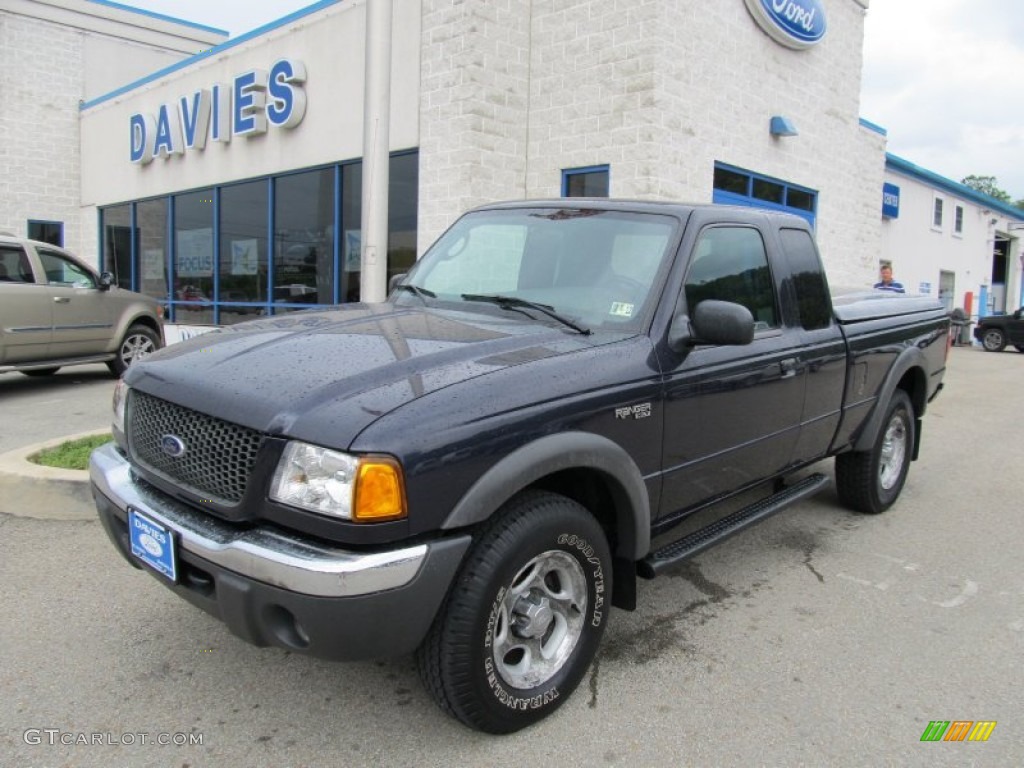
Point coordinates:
[(106, 280), (714, 322), (396, 280)]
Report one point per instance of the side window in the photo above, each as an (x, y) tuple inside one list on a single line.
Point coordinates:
[(62, 271), (14, 266), (812, 296), (730, 264)]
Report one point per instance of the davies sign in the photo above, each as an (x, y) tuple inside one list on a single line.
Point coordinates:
[(795, 24), (246, 106)]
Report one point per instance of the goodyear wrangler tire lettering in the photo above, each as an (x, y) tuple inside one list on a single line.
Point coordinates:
[(525, 616)]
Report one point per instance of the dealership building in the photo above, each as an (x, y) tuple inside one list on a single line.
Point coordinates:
[(229, 182)]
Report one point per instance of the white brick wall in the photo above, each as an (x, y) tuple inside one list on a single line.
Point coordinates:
[(513, 92), (45, 71), (40, 65)]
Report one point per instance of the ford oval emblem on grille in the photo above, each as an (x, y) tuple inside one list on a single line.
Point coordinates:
[(173, 446)]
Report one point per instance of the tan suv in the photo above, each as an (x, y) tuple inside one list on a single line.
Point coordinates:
[(56, 311)]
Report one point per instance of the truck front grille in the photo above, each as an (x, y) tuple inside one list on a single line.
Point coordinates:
[(217, 458)]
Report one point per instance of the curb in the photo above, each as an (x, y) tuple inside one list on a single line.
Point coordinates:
[(45, 493)]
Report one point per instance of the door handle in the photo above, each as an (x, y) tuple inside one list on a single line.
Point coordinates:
[(788, 367), (61, 300)]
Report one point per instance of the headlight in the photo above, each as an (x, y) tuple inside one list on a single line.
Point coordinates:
[(120, 398), (361, 489)]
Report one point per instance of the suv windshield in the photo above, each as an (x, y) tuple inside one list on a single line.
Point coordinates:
[(593, 267)]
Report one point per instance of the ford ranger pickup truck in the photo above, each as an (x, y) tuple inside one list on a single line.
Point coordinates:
[(474, 471)]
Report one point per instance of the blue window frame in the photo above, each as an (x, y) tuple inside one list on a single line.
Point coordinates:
[(219, 254), (736, 186), (592, 181), (51, 232)]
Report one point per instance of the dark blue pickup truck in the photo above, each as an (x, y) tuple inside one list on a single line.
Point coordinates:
[(475, 470)]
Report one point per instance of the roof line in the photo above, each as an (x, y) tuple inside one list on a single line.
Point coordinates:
[(217, 49), (161, 16), (874, 127), (908, 168)]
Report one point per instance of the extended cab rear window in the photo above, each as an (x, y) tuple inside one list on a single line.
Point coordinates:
[(812, 297)]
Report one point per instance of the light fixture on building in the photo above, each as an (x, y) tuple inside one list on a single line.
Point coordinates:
[(782, 126)]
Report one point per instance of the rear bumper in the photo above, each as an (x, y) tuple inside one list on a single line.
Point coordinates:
[(274, 588)]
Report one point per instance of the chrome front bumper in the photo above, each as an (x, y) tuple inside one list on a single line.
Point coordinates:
[(264, 555)]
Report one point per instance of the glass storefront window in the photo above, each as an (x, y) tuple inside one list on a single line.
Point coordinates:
[(303, 248), (230, 270), (404, 182), (151, 248), (243, 250), (193, 257), (351, 230), (117, 243)]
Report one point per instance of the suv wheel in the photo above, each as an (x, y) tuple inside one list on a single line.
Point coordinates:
[(524, 617), (993, 340), (140, 341)]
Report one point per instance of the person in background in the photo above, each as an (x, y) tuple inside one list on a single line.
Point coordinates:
[(887, 283)]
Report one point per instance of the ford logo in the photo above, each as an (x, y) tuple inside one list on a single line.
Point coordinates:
[(795, 24), (173, 446)]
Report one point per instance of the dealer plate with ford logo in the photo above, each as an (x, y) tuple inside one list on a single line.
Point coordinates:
[(152, 543)]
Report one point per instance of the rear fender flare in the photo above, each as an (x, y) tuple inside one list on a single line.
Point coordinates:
[(554, 453), (908, 360)]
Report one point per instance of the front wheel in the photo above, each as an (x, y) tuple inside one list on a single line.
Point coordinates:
[(524, 618), (871, 481), (993, 340), (140, 341)]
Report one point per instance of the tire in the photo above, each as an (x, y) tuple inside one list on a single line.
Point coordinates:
[(524, 617), (993, 340), (140, 341), (42, 371), (871, 481)]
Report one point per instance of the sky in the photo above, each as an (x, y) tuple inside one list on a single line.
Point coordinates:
[(942, 77)]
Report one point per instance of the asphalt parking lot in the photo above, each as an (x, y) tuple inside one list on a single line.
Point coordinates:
[(820, 637)]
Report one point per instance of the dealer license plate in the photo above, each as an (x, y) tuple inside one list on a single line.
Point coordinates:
[(152, 543)]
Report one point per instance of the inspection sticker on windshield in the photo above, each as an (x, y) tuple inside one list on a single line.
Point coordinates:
[(621, 309), (152, 543)]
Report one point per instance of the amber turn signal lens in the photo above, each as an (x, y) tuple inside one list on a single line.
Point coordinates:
[(379, 494)]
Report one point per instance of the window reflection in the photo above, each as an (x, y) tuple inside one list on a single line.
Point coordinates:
[(243, 248), (117, 244), (193, 256), (151, 248), (304, 238)]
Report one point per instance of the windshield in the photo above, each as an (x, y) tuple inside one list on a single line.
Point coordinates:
[(595, 267)]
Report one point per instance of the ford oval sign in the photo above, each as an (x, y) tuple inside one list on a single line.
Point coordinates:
[(795, 24), (172, 445)]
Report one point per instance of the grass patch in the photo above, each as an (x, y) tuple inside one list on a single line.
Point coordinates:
[(72, 454)]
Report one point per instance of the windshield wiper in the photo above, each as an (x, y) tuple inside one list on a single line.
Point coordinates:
[(422, 293), (514, 302)]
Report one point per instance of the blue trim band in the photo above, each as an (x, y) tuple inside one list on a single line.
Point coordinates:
[(899, 165), (160, 73), (873, 127), (162, 17)]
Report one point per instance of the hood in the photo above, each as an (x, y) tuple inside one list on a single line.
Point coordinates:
[(335, 372)]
